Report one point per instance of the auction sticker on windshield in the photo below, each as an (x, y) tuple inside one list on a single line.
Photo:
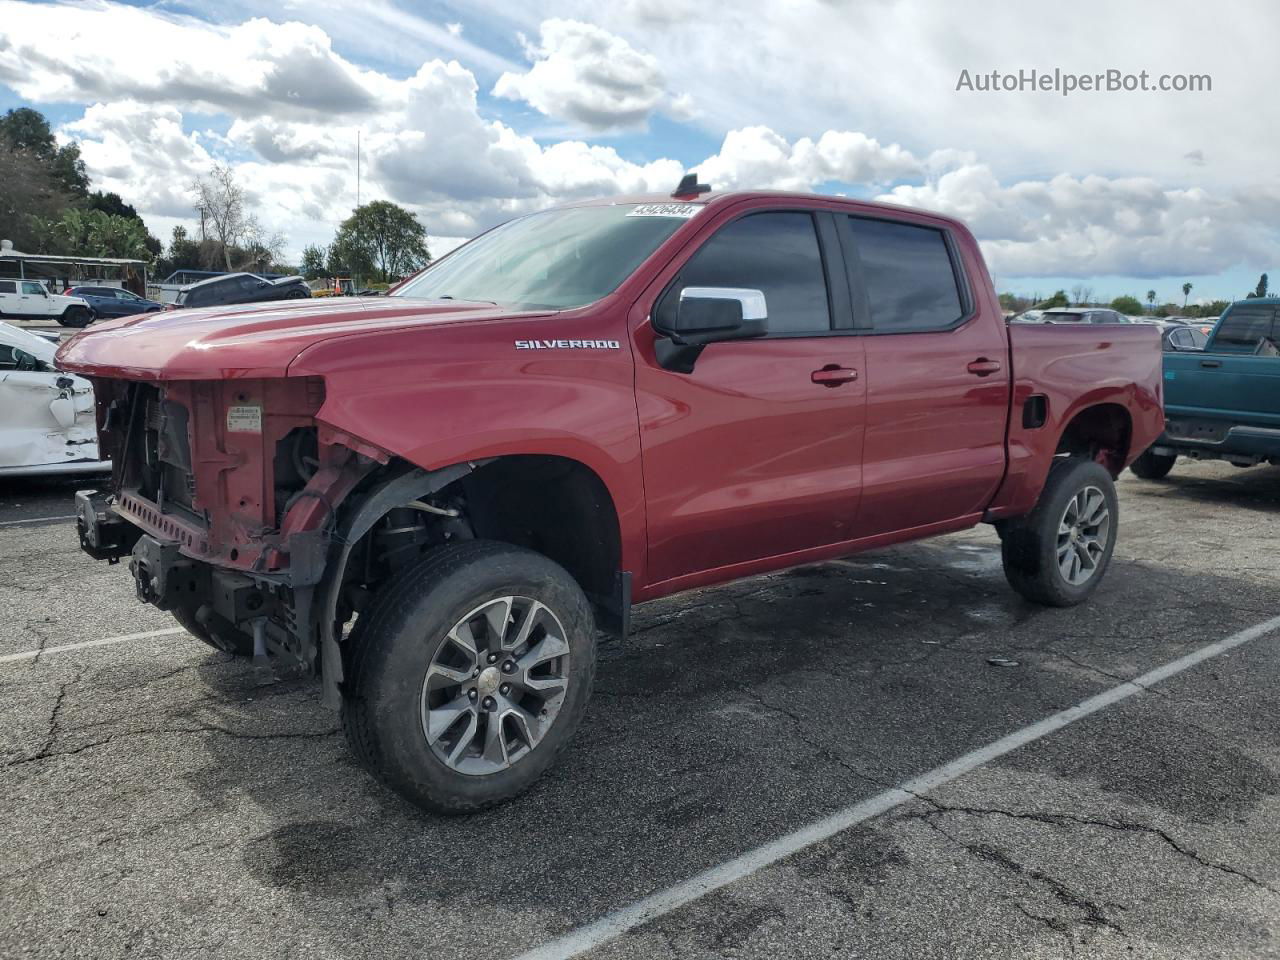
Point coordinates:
[(684, 210)]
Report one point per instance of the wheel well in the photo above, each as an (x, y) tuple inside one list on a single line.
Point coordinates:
[(1101, 433), (553, 505)]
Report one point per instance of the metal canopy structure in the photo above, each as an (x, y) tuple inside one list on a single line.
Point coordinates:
[(17, 263)]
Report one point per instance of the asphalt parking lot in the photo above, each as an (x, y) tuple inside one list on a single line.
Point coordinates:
[(162, 799)]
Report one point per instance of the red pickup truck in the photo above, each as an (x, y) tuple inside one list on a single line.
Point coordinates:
[(431, 500)]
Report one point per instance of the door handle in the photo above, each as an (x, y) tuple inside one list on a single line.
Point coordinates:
[(1210, 363), (982, 367), (832, 375)]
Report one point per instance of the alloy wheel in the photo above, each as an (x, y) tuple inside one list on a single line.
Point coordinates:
[(1083, 534), (495, 685)]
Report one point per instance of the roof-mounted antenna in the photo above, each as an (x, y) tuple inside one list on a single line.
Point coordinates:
[(690, 187)]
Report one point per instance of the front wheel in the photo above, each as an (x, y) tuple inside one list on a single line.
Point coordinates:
[(75, 317), (468, 674), (1153, 466), (1058, 553)]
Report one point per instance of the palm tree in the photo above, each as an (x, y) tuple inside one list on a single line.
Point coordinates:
[(1151, 299), (1186, 292)]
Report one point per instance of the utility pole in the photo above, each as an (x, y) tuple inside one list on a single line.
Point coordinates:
[(357, 169)]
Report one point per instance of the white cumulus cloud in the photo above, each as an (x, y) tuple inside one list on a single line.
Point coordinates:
[(587, 75)]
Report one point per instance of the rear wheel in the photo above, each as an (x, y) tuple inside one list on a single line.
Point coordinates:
[(1153, 466), (1058, 553), (468, 674), (218, 634), (76, 317)]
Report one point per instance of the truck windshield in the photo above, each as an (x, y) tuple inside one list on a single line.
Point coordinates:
[(552, 260)]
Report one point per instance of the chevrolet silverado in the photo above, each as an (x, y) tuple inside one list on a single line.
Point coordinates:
[(431, 500)]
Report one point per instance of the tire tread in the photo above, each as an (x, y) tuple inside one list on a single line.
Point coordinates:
[(364, 649)]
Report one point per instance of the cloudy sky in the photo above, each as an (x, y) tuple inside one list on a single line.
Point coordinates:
[(472, 113)]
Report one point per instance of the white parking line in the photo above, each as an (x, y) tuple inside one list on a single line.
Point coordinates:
[(615, 924), (14, 523), (32, 654)]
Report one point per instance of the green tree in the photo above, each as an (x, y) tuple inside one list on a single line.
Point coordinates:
[(1059, 299), (27, 131), (112, 204), (1260, 290), (380, 236), (1151, 299), (28, 197), (313, 262), (1127, 304), (95, 234), (184, 253), (1186, 292)]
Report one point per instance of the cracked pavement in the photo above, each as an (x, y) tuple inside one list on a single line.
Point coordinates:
[(162, 799)]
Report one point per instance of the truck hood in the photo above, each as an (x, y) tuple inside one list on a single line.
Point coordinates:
[(248, 340)]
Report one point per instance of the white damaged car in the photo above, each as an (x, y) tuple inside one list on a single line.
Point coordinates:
[(47, 421)]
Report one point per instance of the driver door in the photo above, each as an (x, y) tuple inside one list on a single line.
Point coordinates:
[(756, 452)]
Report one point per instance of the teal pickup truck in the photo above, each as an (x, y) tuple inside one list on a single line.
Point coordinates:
[(1223, 402)]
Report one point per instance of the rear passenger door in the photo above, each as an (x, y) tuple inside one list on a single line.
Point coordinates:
[(756, 452), (937, 375)]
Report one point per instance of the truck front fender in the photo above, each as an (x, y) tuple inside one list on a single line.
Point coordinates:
[(400, 487)]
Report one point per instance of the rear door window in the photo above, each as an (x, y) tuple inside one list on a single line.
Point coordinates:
[(1247, 329), (909, 276), (8, 286)]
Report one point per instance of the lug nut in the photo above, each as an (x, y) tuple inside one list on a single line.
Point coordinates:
[(509, 667), (493, 658), (471, 694), (475, 672), (504, 689), (490, 703)]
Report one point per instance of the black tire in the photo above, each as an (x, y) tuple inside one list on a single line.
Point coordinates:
[(297, 295), (76, 317), (221, 635), (1030, 545), (403, 633), (1153, 466)]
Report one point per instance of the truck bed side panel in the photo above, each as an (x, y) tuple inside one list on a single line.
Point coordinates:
[(1074, 368)]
